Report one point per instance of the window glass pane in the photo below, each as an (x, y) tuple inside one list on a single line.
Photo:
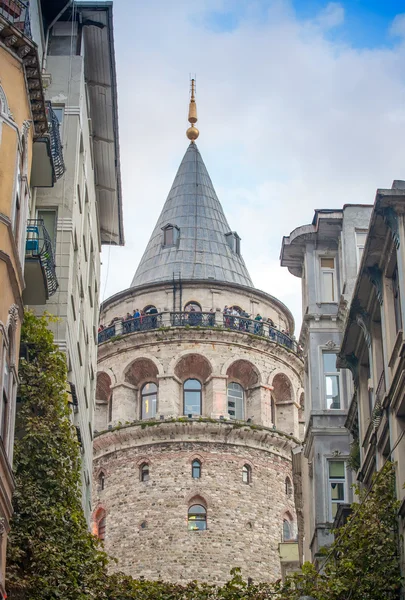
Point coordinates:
[(329, 362), (328, 292), (337, 491), (149, 388), (49, 219), (235, 401), (361, 238), (332, 391), (192, 402), (149, 406), (197, 518), (328, 263), (192, 384), (336, 469)]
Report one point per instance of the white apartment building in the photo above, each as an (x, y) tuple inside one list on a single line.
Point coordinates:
[(83, 210)]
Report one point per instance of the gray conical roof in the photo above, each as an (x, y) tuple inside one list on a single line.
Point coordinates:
[(202, 251)]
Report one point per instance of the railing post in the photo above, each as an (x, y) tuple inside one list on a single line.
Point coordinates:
[(118, 328), (166, 319)]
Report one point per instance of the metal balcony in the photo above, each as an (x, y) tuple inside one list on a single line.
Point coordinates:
[(40, 276), (56, 142), (16, 12), (198, 319), (47, 162)]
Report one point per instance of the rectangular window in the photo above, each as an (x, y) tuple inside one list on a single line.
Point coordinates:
[(397, 300), (360, 243), (49, 219), (5, 398), (328, 280), (58, 110), (337, 485), (331, 380)]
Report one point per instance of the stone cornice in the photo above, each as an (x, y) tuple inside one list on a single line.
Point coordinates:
[(147, 339), (147, 433)]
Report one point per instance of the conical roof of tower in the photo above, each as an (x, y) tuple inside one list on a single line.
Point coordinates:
[(202, 250)]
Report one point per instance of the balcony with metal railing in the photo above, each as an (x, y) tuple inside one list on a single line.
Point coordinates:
[(40, 275), (47, 163), (16, 12), (215, 320)]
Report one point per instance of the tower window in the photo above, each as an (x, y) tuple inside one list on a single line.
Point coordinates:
[(196, 469), (233, 241), (192, 397), (288, 487), (247, 474), (144, 472), (235, 401), (171, 235), (149, 400), (287, 531), (101, 481), (197, 518)]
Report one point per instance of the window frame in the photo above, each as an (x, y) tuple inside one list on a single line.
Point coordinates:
[(360, 246), (196, 514), (242, 418), (290, 535), (192, 390), (144, 472), (396, 299), (336, 480), (175, 236), (327, 271), (246, 474), (326, 374), (196, 468), (146, 396)]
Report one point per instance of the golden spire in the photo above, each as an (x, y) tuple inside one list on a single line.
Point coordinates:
[(192, 132)]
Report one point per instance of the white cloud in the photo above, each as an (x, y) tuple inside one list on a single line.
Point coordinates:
[(290, 121), (398, 26), (331, 16)]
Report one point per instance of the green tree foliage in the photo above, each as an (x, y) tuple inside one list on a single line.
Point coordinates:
[(51, 554)]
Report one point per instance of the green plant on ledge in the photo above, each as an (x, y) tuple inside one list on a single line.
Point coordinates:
[(353, 462)]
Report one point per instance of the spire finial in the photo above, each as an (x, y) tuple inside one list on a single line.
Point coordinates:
[(192, 132)]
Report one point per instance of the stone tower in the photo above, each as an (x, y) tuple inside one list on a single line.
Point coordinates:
[(197, 411)]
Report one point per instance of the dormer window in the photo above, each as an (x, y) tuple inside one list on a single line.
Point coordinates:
[(233, 241), (171, 235)]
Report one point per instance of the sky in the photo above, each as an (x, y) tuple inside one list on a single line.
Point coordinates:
[(301, 106)]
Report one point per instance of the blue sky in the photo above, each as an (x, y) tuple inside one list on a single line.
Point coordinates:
[(301, 106), (366, 22)]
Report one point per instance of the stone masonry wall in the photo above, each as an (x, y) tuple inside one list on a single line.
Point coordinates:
[(244, 521)]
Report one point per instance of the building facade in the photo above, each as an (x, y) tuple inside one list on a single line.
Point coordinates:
[(197, 409), (326, 255), (25, 155), (373, 345), (83, 210)]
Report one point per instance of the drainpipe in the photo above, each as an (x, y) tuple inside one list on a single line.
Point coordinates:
[(58, 16)]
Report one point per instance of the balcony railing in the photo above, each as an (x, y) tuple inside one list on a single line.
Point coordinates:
[(198, 319), (39, 247), (17, 13), (56, 142)]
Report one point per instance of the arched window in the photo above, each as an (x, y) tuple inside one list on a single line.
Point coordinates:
[(101, 529), (287, 531), (192, 397), (235, 401), (288, 487), (144, 472), (247, 474), (197, 518), (148, 308), (273, 411), (99, 523), (101, 481), (148, 401), (192, 307), (196, 469)]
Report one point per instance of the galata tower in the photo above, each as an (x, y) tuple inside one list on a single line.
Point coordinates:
[(198, 408)]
